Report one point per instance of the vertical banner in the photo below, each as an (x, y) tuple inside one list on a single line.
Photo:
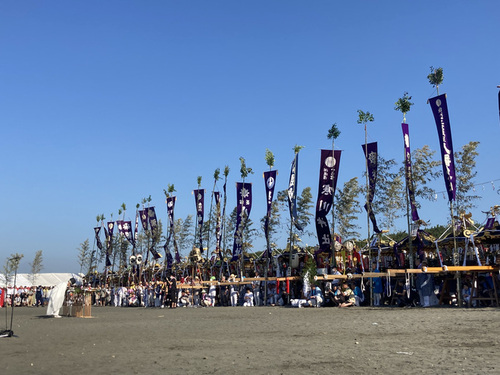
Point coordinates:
[(243, 207), (170, 213), (153, 224), (223, 229), (199, 197), (408, 174), (97, 230), (109, 242), (371, 154), (292, 191), (328, 174), (144, 218), (440, 111), (270, 183), (136, 231), (125, 229), (218, 221)]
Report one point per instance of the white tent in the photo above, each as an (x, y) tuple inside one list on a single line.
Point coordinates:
[(44, 279)]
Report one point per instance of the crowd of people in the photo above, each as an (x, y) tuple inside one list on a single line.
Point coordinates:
[(171, 292), (36, 296), (189, 291)]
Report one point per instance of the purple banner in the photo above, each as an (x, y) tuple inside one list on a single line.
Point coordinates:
[(109, 242), (371, 155), (153, 223), (440, 111), (218, 233), (292, 191), (408, 174), (136, 230), (243, 208), (170, 213), (125, 229), (199, 197), (109, 234), (222, 228), (328, 174), (144, 218), (270, 183), (97, 230)]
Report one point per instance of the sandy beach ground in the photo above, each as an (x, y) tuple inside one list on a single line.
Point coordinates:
[(258, 340)]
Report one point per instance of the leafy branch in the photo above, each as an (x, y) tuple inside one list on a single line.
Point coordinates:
[(269, 158), (436, 77), (244, 170), (404, 105)]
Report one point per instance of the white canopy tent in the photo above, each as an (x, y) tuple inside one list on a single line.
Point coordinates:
[(44, 279)]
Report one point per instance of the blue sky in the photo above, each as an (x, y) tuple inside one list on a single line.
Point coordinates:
[(105, 102)]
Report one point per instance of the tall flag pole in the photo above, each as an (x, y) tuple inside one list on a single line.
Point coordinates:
[(212, 196), (439, 107), (440, 111), (364, 118), (292, 205), (328, 174), (223, 228), (410, 191)]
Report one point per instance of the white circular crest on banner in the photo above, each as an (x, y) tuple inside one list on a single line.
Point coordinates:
[(330, 162), (438, 102), (270, 182)]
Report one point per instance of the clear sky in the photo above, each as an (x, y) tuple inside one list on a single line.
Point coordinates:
[(107, 102)]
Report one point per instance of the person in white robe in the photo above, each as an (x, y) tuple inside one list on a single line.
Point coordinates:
[(56, 299)]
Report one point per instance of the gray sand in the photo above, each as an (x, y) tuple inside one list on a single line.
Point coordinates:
[(258, 340)]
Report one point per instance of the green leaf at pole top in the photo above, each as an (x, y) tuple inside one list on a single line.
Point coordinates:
[(217, 174), (403, 104), (364, 117), (269, 158), (436, 76), (333, 132), (297, 148)]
